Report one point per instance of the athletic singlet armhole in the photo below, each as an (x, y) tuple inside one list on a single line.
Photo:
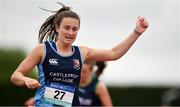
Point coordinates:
[(80, 54), (96, 85), (44, 53)]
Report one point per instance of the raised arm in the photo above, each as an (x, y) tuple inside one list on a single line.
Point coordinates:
[(19, 76), (120, 49)]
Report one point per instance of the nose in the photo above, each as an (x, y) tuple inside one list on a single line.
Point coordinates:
[(71, 32)]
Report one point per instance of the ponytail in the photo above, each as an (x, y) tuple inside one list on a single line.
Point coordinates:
[(101, 65), (47, 30)]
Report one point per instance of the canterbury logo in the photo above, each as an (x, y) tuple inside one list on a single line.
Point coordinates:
[(53, 61)]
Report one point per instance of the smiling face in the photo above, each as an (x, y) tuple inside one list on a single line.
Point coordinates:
[(68, 30)]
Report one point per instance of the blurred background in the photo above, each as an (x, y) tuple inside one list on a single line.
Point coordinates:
[(148, 75)]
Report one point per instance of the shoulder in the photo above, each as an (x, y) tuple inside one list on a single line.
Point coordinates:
[(35, 56), (85, 51), (100, 87), (38, 49)]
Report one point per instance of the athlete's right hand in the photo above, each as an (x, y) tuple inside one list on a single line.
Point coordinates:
[(31, 83)]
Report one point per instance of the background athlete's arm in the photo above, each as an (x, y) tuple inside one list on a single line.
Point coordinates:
[(103, 94)]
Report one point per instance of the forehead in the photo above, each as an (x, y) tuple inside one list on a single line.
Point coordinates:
[(70, 21)]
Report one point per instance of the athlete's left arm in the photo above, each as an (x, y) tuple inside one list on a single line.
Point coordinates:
[(103, 94), (120, 49)]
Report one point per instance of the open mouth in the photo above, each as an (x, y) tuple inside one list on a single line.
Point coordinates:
[(69, 38)]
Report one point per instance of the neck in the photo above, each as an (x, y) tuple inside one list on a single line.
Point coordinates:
[(64, 49)]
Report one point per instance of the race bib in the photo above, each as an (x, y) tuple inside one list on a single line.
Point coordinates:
[(59, 94)]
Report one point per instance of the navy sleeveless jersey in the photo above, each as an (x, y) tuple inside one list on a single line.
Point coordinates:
[(87, 95), (61, 74)]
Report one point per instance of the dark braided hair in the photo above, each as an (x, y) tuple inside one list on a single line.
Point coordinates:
[(47, 31), (100, 64)]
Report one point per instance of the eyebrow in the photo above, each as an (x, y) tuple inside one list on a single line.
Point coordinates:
[(70, 25)]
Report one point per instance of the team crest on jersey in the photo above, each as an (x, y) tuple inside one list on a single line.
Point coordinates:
[(53, 61), (76, 64)]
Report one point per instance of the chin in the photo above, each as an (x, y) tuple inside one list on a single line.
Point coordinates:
[(68, 42)]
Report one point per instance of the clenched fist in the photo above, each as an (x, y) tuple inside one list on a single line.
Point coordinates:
[(141, 25), (31, 83)]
